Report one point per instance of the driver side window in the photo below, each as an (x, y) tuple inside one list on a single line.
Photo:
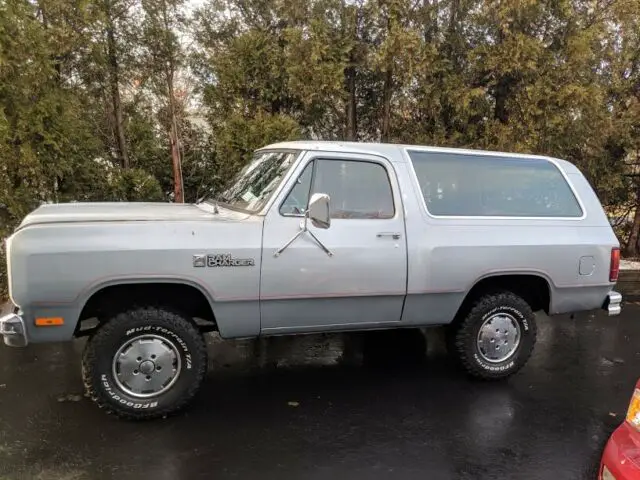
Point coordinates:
[(296, 202)]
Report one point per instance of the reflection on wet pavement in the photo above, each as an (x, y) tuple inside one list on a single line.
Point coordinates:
[(385, 404)]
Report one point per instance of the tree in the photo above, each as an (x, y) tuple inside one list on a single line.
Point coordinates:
[(622, 70), (114, 14), (49, 150), (246, 76), (95, 93), (163, 52)]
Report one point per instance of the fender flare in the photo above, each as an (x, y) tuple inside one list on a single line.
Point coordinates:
[(83, 298)]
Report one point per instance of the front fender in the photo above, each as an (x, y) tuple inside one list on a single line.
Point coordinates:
[(56, 268)]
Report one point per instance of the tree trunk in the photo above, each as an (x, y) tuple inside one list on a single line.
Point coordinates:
[(504, 87), (114, 84), (453, 16), (174, 136), (430, 11), (502, 94), (386, 105), (350, 32), (387, 91), (56, 59), (632, 247), (177, 165), (351, 126)]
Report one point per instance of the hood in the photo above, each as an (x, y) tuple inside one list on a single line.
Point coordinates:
[(126, 212)]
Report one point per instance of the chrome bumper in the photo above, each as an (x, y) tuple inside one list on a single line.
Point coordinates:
[(613, 303), (13, 331)]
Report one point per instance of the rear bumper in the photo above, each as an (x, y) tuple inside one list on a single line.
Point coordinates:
[(13, 331), (613, 303), (621, 456)]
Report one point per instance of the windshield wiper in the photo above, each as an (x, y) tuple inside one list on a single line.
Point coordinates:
[(210, 195)]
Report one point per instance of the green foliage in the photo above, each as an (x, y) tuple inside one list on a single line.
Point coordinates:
[(550, 77), (134, 185), (238, 137), (92, 92)]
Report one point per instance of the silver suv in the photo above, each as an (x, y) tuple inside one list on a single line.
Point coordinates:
[(314, 237)]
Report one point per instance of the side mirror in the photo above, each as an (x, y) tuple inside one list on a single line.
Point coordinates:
[(318, 210), (320, 216)]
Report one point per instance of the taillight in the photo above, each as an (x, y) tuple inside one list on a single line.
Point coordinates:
[(614, 267)]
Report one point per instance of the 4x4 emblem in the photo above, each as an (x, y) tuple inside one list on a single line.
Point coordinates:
[(221, 260)]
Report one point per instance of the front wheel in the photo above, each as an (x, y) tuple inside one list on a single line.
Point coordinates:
[(144, 363), (496, 338)]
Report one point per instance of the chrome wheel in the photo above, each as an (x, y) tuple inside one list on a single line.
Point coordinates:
[(146, 366), (498, 338)]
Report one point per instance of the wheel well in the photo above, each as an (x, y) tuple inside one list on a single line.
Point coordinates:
[(116, 298), (532, 288)]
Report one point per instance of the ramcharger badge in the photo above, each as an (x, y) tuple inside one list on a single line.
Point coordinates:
[(221, 260)]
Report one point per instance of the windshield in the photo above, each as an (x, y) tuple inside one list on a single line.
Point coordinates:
[(251, 188)]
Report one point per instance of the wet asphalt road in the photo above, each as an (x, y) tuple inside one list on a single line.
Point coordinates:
[(335, 407)]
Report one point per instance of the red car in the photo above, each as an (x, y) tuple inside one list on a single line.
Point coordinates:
[(621, 457)]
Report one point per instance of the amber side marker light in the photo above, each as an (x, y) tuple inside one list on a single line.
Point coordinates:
[(606, 474), (633, 412), (49, 322)]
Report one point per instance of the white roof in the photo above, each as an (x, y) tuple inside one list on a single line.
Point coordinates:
[(394, 150)]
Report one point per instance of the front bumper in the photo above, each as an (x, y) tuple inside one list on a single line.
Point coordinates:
[(13, 331), (613, 303)]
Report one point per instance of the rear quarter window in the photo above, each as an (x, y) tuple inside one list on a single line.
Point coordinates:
[(493, 186)]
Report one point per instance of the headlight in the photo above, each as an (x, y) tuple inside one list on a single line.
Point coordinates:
[(633, 412)]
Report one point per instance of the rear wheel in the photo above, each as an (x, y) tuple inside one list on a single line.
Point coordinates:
[(144, 363), (496, 337)]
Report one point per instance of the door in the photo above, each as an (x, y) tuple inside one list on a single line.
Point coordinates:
[(363, 282)]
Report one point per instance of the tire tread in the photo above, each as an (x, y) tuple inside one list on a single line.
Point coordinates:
[(139, 315), (464, 330)]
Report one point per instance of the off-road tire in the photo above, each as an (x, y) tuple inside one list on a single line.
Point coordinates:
[(98, 356), (463, 333)]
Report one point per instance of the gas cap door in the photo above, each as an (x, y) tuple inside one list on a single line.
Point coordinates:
[(587, 265)]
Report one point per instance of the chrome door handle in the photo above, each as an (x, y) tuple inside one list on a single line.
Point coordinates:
[(394, 235)]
